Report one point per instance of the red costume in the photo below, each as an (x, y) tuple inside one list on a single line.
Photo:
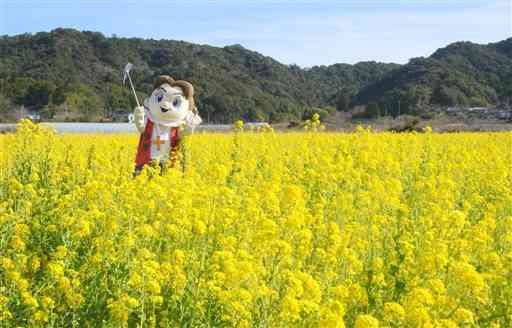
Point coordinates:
[(144, 149)]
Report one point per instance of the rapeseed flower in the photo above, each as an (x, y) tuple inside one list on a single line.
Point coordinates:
[(257, 229)]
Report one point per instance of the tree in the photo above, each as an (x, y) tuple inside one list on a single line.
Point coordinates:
[(372, 110), (256, 115), (323, 112), (48, 111), (5, 104), (17, 89), (119, 100), (417, 96), (59, 95), (343, 102), (449, 96), (39, 94), (42, 69), (84, 102)]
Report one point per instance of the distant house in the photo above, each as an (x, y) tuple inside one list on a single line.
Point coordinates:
[(122, 117), (504, 115), (478, 109), (33, 116)]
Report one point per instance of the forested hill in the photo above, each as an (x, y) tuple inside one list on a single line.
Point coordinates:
[(461, 74), (82, 72)]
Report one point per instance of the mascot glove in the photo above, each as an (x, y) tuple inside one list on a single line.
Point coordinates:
[(192, 119), (138, 114)]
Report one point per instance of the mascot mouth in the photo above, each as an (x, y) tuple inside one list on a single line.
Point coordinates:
[(164, 110)]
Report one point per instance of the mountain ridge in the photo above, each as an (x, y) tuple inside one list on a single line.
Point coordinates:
[(460, 74), (80, 72)]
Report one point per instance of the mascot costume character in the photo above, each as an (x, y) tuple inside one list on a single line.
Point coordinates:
[(166, 114)]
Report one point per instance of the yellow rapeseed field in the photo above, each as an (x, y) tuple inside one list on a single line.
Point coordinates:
[(310, 229)]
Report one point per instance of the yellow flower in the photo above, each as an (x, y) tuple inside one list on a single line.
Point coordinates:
[(28, 299), (48, 302), (393, 312), (464, 316), (257, 229), (157, 300), (17, 244), (366, 321), (41, 316), (290, 310), (61, 252), (239, 125), (7, 264), (35, 263)]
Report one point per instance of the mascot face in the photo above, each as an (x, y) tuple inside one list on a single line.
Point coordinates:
[(170, 102)]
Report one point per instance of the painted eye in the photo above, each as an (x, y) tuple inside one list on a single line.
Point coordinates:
[(176, 102), (159, 98)]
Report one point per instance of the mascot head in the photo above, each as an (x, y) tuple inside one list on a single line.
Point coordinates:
[(171, 101)]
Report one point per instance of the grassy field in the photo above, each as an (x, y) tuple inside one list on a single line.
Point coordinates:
[(254, 229)]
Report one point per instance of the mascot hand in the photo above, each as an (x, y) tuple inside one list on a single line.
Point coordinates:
[(138, 114), (193, 119)]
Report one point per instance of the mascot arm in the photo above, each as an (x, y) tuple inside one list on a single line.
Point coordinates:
[(139, 119)]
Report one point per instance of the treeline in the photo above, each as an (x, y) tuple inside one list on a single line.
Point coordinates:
[(78, 101), (77, 75), (462, 74)]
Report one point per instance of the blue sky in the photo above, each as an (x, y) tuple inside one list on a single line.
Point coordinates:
[(305, 32)]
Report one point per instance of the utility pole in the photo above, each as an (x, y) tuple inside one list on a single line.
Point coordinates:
[(398, 107), (22, 112)]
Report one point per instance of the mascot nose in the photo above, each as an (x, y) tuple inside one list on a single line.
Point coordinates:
[(165, 105)]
